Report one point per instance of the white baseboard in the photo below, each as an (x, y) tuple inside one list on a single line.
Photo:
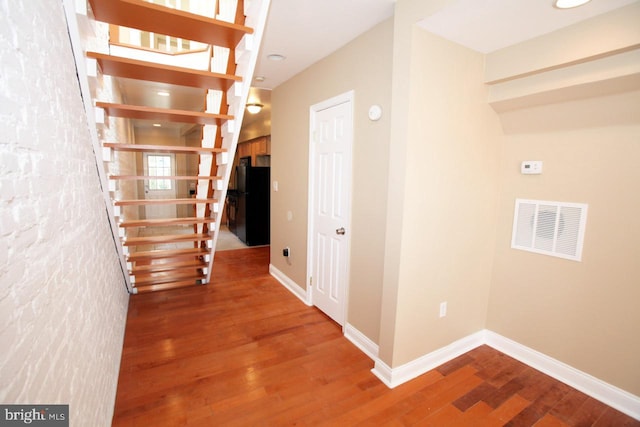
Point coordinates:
[(393, 377), (292, 286), (361, 341), (611, 395)]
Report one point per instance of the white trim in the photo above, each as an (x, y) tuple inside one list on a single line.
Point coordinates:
[(361, 341), (617, 398), (292, 286), (393, 377), (609, 394)]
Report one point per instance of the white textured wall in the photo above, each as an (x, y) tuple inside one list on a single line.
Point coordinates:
[(62, 298)]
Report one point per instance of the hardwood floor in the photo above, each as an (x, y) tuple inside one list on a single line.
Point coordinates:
[(245, 352)]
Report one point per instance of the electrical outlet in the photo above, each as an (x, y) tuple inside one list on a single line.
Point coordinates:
[(286, 252), (443, 309)]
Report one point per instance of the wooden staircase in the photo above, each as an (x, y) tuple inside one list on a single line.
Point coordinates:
[(153, 256)]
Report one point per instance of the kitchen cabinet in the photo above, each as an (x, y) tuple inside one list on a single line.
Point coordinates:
[(244, 150), (260, 147), (254, 148)]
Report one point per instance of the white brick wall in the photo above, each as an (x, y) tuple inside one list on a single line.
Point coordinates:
[(62, 296)]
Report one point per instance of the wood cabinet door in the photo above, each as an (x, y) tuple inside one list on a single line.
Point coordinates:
[(244, 150)]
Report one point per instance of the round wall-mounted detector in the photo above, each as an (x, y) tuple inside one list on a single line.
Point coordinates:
[(375, 112)]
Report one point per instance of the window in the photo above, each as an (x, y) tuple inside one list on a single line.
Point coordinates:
[(159, 165)]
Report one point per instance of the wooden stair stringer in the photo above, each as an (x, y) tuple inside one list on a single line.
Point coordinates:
[(245, 57)]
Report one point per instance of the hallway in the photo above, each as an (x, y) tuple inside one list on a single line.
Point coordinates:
[(243, 351)]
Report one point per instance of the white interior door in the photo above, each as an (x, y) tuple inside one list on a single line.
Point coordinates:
[(157, 164), (330, 204)]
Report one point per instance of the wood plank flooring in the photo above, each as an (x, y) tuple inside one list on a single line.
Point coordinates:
[(243, 351)]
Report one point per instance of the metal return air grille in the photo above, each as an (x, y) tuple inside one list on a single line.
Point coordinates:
[(549, 228)]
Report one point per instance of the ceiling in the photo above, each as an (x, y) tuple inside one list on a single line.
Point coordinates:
[(305, 31), (489, 25)]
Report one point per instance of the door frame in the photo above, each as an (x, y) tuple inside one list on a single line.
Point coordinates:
[(346, 97)]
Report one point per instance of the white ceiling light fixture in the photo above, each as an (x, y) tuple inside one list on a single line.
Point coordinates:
[(276, 57), (254, 108), (163, 93), (157, 125), (259, 78), (568, 4)]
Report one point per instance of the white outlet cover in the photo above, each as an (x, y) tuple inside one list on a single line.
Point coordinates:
[(443, 309)]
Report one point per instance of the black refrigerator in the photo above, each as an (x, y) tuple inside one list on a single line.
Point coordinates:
[(253, 196)]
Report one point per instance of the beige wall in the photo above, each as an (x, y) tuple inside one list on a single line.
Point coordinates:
[(448, 213), (613, 32), (364, 65), (453, 175), (406, 14), (582, 313)]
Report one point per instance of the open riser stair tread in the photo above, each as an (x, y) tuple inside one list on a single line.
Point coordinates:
[(166, 222), (173, 177), (167, 266), (162, 148), (142, 112), (163, 20), (143, 202), (142, 70), (173, 253), (169, 238), (168, 277), (167, 286)]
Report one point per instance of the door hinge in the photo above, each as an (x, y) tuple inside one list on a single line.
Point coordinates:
[(310, 281)]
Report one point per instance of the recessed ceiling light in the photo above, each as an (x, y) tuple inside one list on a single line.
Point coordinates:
[(157, 125), (163, 93), (568, 4), (276, 57), (259, 78)]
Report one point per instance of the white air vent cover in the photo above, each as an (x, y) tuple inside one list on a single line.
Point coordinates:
[(550, 228)]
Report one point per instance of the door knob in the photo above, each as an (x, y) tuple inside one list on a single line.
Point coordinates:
[(340, 231)]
